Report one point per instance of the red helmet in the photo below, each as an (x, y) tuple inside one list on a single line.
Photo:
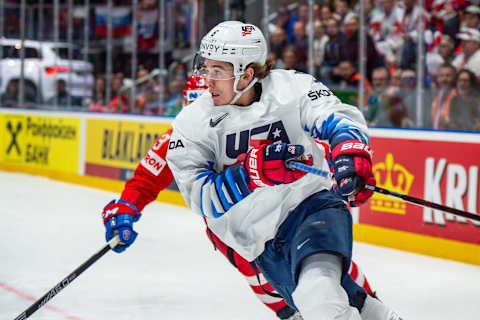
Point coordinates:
[(194, 87)]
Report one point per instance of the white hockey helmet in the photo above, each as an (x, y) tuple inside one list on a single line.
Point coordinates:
[(237, 43)]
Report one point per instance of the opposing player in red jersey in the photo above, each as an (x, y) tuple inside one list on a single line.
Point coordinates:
[(152, 176)]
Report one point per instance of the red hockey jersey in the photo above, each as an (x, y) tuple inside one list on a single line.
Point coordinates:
[(151, 176)]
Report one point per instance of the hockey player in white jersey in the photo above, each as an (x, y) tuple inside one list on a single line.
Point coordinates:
[(229, 154)]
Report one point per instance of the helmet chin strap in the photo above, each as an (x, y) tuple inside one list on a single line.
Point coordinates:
[(238, 93)]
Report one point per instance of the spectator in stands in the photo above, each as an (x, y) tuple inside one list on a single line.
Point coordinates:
[(401, 104), (349, 82), (178, 69), (149, 102), (348, 76), (116, 84), (445, 53), (470, 56), (342, 11), (10, 96), (384, 29), (278, 41), (317, 12), (353, 45), (61, 96), (325, 12), (175, 101), (335, 50), (465, 106), (292, 19), (300, 42), (377, 101), (302, 13), (450, 18), (319, 42), (440, 109), (142, 85), (98, 103), (371, 10), (395, 80), (282, 20), (391, 108), (120, 101), (290, 60), (408, 26), (141, 71), (445, 17), (471, 17), (380, 79)]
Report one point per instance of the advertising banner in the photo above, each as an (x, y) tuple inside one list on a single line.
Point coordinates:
[(47, 142), (115, 147), (444, 172)]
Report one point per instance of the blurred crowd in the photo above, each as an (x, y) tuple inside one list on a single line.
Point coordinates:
[(450, 63), (451, 66)]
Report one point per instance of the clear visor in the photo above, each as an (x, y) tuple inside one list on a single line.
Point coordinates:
[(213, 71)]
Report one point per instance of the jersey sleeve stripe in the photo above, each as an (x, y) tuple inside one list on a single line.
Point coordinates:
[(338, 129), (220, 193), (234, 186), (203, 203)]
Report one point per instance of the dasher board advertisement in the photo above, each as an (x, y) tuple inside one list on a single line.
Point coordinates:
[(442, 171), (40, 141), (115, 147)]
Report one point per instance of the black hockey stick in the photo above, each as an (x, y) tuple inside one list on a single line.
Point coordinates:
[(418, 201), (67, 280)]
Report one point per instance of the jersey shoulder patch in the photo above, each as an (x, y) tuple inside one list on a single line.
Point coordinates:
[(153, 163)]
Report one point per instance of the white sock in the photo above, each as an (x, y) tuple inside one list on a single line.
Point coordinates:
[(319, 295)]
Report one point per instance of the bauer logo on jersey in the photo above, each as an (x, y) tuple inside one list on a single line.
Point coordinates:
[(246, 30), (153, 163)]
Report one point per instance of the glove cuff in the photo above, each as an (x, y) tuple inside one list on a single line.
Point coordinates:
[(253, 167), (118, 207), (352, 147)]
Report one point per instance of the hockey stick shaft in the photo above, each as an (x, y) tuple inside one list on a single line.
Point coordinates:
[(417, 201), (68, 279), (423, 202)]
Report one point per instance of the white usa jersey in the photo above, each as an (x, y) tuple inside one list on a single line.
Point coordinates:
[(293, 108)]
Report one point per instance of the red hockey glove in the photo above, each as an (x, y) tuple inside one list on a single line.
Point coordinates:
[(352, 165), (267, 165)]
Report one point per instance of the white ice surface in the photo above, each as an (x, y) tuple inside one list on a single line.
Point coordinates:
[(48, 228)]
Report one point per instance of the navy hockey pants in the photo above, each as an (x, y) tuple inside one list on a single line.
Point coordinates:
[(321, 223)]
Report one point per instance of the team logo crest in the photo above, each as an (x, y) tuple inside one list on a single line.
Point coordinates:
[(126, 234), (246, 30)]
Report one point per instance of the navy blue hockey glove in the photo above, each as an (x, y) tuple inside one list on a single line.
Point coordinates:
[(118, 218), (352, 165)]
